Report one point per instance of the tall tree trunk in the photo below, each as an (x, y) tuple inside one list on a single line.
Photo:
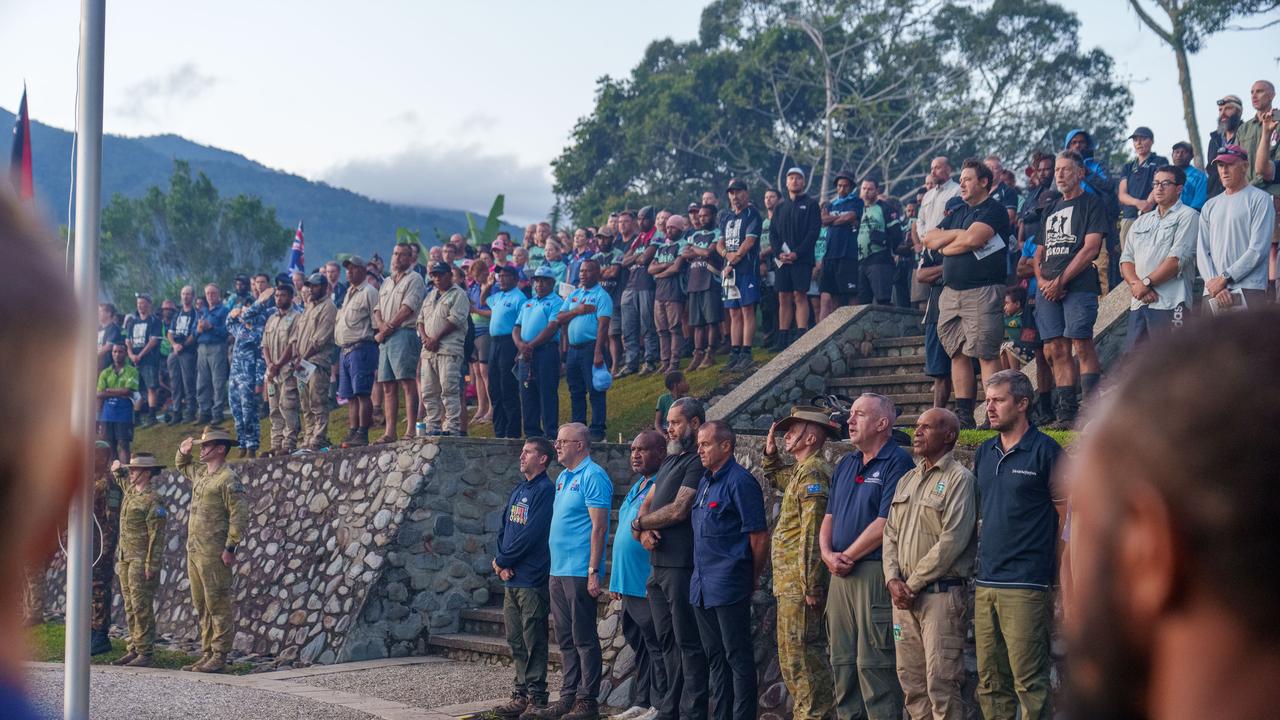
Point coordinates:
[(1188, 100)]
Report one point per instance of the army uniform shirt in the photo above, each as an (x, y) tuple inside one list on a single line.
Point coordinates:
[(142, 525), (219, 513), (354, 322), (313, 333), (931, 532), (798, 569)]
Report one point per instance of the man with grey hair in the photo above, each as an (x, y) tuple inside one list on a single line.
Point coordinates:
[(1017, 553), (664, 528), (933, 205), (859, 624)]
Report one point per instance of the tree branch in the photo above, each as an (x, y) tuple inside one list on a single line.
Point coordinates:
[(1165, 35)]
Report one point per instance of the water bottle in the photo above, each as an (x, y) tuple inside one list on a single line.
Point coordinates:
[(420, 428)]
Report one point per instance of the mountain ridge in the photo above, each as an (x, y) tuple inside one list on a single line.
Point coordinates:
[(336, 220)]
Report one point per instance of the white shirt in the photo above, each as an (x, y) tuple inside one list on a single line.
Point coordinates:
[(934, 205), (1152, 239)]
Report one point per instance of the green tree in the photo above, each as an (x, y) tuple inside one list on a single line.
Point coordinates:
[(1187, 23), (188, 235)]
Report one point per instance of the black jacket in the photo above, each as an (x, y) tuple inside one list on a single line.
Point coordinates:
[(796, 223)]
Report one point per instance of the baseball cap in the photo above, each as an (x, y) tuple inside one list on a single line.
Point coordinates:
[(354, 260), (1143, 132), (142, 296), (1231, 100), (737, 184), (316, 279), (647, 212), (1231, 154), (1182, 145), (544, 272), (795, 171), (440, 268), (510, 269)]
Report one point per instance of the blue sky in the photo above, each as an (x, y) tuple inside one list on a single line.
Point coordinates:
[(445, 103)]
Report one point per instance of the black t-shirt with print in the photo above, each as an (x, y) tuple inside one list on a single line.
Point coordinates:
[(1062, 233), (668, 289), (138, 333), (986, 265)]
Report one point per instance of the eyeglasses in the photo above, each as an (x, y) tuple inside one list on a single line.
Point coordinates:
[(561, 443), (1164, 184)]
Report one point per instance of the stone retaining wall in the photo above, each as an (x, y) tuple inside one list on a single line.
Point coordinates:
[(801, 371)]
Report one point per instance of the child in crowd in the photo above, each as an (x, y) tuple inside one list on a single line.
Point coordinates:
[(677, 387), (1017, 350)]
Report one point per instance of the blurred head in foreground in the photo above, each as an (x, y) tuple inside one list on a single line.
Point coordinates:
[(39, 458), (1175, 531)]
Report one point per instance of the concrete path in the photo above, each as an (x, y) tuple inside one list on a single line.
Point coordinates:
[(419, 688)]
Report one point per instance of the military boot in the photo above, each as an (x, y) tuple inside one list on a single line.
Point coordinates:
[(583, 709), (513, 707), (190, 667), (216, 663), (127, 658), (556, 709), (141, 661)]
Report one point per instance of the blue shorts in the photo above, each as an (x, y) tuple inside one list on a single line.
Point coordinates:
[(356, 369), (936, 362), (748, 291), (1072, 317)]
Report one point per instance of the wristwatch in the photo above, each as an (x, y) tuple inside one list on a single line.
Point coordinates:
[(1146, 281), (591, 571), (635, 525), (1228, 278)]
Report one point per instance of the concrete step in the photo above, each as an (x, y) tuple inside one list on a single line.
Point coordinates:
[(907, 341), (897, 365), (487, 621), (480, 648), (883, 384)]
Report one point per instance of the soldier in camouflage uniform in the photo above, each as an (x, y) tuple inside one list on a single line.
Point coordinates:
[(217, 521), (313, 343), (245, 324), (799, 575), (142, 524), (281, 378), (107, 497)]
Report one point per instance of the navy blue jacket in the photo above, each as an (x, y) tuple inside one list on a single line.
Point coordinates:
[(526, 526)]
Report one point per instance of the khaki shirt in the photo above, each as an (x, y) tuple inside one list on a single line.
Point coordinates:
[(408, 290), (142, 523), (798, 569), (932, 528), (452, 306), (313, 333), (1247, 137), (279, 334), (355, 317), (218, 516)]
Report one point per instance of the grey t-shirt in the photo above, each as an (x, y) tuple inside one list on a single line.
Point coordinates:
[(1152, 239), (1235, 237)]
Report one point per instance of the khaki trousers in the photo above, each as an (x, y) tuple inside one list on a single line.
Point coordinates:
[(860, 635), (282, 396), (441, 387), (802, 659), (1011, 629), (139, 604), (211, 595), (314, 398), (930, 647)]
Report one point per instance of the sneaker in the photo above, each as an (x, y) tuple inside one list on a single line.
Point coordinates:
[(625, 372), (630, 713), (650, 714), (555, 710), (190, 667), (583, 709), (646, 369), (127, 658), (513, 707)]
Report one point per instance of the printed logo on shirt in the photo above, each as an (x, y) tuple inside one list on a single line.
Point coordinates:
[(1059, 240), (1032, 473), (940, 487)]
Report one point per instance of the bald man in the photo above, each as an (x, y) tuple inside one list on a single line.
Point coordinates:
[(930, 538)]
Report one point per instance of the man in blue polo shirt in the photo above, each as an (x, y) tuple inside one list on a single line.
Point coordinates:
[(579, 524), (523, 561), (839, 280), (628, 577), (1017, 554), (537, 339), (730, 544), (859, 607), (504, 301), (586, 313)]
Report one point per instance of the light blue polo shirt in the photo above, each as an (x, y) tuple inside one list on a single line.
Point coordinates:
[(535, 314), (587, 486), (582, 329), (631, 567), (505, 306)]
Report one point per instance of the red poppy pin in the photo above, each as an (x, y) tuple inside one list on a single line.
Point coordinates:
[(713, 504), (858, 479)]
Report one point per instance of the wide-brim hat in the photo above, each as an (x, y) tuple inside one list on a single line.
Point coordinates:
[(143, 461), (809, 414), (214, 435)]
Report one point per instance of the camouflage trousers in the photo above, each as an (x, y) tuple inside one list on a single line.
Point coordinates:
[(282, 395), (104, 571), (211, 596), (314, 395), (802, 658), (139, 604), (241, 382)]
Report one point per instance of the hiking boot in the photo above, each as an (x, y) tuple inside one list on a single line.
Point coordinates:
[(555, 710), (536, 705), (172, 419), (583, 709), (1065, 406), (216, 663), (190, 667), (513, 707), (126, 658), (696, 362), (141, 661), (359, 438)]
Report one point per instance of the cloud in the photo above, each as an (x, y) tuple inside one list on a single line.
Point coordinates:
[(465, 177), (148, 98)]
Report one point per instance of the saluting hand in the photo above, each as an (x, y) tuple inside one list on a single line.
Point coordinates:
[(184, 447)]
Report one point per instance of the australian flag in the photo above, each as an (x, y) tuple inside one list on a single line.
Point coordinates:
[(20, 162), (296, 263)]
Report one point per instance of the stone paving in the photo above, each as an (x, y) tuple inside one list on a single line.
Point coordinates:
[(420, 688)]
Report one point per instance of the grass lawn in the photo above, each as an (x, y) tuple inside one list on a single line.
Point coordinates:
[(48, 643)]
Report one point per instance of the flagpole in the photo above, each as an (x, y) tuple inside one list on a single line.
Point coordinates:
[(75, 698)]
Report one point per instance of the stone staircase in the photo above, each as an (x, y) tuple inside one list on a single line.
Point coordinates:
[(483, 638), (894, 369)]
